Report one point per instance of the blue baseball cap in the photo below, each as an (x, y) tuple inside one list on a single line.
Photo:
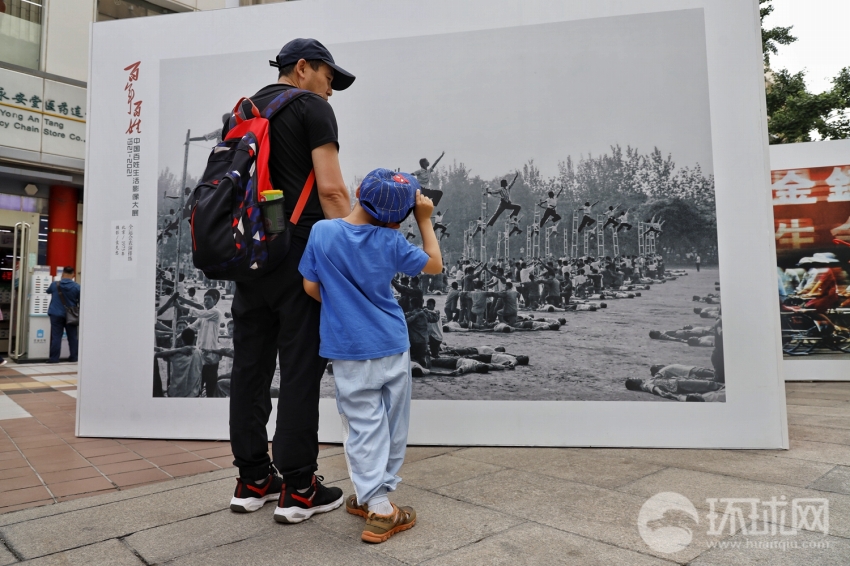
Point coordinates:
[(387, 195), (312, 50)]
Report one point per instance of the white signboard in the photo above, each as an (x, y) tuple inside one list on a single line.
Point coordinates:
[(811, 206), (539, 91), (42, 115)]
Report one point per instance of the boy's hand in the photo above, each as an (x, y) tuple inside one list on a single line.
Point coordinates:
[(423, 209)]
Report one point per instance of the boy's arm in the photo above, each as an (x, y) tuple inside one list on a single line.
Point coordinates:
[(422, 211), (312, 289), (434, 166), (184, 301)]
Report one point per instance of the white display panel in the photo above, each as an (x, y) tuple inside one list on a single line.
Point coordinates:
[(117, 320), (812, 227)]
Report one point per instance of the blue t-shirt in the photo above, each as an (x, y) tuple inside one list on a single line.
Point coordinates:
[(354, 264)]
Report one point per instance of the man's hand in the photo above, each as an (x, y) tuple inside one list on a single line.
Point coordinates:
[(423, 209)]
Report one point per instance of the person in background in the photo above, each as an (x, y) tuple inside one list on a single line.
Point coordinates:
[(70, 292)]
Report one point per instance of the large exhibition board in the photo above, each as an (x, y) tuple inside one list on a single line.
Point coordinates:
[(630, 135), (810, 188)]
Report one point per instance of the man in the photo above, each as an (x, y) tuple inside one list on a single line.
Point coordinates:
[(408, 294), (509, 297), (70, 296), (206, 325), (551, 206), (623, 221), (587, 219), (423, 175), (272, 315), (505, 203), (479, 227), (438, 225), (610, 218), (514, 223), (698, 261)]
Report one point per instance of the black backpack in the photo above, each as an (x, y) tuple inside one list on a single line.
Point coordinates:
[(229, 239)]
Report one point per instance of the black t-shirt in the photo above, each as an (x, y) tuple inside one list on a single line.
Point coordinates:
[(305, 124)]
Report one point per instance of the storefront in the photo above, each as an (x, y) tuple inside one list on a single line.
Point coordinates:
[(42, 151)]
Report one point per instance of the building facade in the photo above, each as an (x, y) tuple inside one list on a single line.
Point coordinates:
[(44, 53)]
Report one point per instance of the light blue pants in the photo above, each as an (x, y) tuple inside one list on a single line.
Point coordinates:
[(373, 398)]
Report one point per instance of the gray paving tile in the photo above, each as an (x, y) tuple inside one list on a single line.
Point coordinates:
[(837, 480), (332, 451), (698, 487), (814, 402), (582, 465), (107, 553), (200, 533), (761, 465), (304, 544), (443, 470), (600, 514), (56, 533), (819, 420), (442, 524), (538, 545), (826, 452), (416, 453), (6, 557), (333, 468), (821, 411), (124, 495), (811, 549), (819, 434)]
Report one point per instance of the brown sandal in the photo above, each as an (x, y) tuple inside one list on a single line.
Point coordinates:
[(381, 527)]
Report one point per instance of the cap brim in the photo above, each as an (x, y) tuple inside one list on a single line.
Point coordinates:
[(342, 78)]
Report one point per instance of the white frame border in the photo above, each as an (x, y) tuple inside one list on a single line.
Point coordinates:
[(114, 396)]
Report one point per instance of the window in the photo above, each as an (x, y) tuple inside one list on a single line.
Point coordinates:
[(20, 32), (120, 9)]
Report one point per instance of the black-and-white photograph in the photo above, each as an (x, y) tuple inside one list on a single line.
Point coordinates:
[(571, 169)]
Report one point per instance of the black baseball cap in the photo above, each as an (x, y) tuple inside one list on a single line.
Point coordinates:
[(312, 50)]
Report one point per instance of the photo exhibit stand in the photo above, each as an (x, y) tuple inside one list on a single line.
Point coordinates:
[(708, 52)]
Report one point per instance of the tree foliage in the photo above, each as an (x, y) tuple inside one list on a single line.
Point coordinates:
[(647, 184), (794, 113)]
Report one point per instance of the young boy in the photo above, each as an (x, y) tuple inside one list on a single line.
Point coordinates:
[(435, 328), (347, 266), (186, 366)]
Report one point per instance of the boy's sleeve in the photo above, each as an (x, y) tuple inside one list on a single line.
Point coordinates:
[(308, 267), (410, 260)]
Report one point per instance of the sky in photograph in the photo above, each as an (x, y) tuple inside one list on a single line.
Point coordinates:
[(492, 99), (822, 28)]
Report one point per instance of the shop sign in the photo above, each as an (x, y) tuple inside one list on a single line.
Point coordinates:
[(42, 115)]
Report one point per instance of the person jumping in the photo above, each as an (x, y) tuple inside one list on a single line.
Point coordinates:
[(610, 217), (623, 221), (505, 203), (551, 208), (587, 219)]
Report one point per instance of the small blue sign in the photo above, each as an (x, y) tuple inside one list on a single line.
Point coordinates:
[(39, 334)]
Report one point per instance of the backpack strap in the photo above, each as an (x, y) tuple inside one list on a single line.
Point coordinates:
[(280, 102), (302, 200)]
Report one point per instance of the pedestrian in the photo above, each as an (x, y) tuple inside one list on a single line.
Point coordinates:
[(272, 316), (698, 261), (65, 294), (348, 266)]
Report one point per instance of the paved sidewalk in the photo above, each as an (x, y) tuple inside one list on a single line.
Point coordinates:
[(42, 462), (486, 506)]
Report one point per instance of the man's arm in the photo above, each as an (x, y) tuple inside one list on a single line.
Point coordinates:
[(514, 181), (333, 194), (312, 289), (438, 160)]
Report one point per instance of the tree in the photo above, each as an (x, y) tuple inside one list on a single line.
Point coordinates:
[(793, 112)]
